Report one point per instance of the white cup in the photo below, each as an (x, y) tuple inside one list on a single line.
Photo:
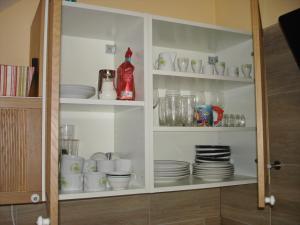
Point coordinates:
[(123, 165), (105, 165), (94, 181), (71, 182), (71, 164), (89, 165)]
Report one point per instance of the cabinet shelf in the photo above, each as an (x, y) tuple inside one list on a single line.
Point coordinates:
[(74, 104), (227, 82), (196, 183), (20, 102), (84, 195), (203, 129)]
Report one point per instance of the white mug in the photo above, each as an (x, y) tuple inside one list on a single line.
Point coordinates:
[(71, 164), (95, 181), (71, 182), (123, 165), (105, 165), (89, 165)]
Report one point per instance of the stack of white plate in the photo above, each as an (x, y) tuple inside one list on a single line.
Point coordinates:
[(212, 162), (212, 153), (170, 170), (216, 171), (76, 91)]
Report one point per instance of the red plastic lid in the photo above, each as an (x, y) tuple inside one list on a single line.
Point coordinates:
[(128, 53)]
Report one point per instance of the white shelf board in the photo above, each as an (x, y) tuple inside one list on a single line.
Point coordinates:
[(75, 104), (202, 76), (203, 129), (191, 183), (221, 82), (85, 195)]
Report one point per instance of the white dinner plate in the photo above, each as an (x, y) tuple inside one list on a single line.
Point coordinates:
[(169, 179)]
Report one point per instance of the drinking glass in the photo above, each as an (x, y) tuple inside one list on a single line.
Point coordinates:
[(187, 109), (173, 112), (233, 71), (217, 99), (199, 98), (183, 64), (67, 131), (246, 69), (237, 121), (69, 146), (196, 65), (155, 98), (225, 121), (162, 111), (220, 68), (243, 120), (231, 120)]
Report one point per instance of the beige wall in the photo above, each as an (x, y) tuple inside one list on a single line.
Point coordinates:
[(272, 9), (233, 13), (15, 20)]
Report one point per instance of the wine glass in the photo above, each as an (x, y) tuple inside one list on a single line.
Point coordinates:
[(155, 98)]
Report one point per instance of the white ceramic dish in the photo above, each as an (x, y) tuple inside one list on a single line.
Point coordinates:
[(169, 179), (118, 182), (76, 91)]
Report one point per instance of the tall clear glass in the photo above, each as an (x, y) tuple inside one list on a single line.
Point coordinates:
[(162, 111), (173, 108), (187, 110)]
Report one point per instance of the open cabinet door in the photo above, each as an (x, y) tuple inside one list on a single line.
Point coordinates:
[(261, 104), (52, 109)]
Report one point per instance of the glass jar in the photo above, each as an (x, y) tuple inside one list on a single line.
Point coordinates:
[(173, 108), (162, 111), (187, 110)]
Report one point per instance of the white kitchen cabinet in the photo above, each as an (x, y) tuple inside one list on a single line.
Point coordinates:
[(130, 128)]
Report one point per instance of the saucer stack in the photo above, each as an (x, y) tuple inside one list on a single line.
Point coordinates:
[(212, 162), (170, 170)]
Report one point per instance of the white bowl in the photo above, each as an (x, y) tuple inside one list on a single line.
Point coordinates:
[(76, 91), (120, 182)]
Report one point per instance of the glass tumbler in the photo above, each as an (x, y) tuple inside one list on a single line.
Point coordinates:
[(173, 111), (237, 122), (69, 146), (225, 121), (162, 111), (242, 120), (231, 120), (187, 110)]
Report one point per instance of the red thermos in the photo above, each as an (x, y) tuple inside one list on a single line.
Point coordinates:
[(125, 79)]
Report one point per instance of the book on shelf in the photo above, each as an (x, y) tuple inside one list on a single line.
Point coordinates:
[(15, 80)]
